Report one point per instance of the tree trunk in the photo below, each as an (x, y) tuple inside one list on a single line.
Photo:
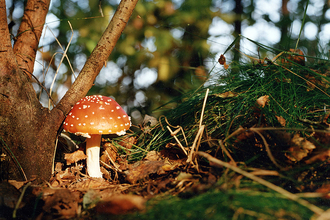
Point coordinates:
[(28, 130)]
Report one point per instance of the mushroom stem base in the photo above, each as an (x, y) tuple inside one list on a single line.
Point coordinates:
[(93, 156)]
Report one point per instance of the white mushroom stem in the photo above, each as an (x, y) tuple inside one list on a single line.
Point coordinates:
[(93, 156)]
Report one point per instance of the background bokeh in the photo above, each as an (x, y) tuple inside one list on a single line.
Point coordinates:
[(168, 47)]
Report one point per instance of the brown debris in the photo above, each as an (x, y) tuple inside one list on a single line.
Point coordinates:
[(75, 156), (121, 204)]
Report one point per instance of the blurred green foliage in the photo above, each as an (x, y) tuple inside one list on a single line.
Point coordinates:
[(164, 50)]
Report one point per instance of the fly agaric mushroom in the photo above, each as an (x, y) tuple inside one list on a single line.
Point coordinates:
[(91, 117)]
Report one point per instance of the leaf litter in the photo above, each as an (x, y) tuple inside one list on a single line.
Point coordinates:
[(219, 138)]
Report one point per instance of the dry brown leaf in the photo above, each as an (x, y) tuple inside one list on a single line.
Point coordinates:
[(128, 142), (121, 204), (75, 156), (142, 169), (262, 101), (152, 156), (110, 151), (320, 156), (324, 189), (300, 148), (228, 94), (62, 203), (9, 195), (297, 58), (281, 120), (222, 59)]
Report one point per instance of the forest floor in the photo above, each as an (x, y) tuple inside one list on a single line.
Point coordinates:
[(256, 147)]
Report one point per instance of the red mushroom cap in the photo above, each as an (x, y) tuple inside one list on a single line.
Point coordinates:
[(97, 114)]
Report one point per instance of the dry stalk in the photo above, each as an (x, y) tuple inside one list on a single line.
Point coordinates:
[(59, 65), (226, 152), (113, 163), (199, 135), (173, 134), (278, 189), (269, 153)]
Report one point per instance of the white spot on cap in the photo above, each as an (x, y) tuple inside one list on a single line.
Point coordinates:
[(92, 123), (117, 107), (86, 116), (73, 116), (85, 106)]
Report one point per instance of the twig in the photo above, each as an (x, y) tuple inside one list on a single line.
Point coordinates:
[(278, 189), (173, 134), (20, 199), (113, 162), (269, 153), (203, 109), (178, 126), (15, 159), (195, 144), (226, 151), (59, 65), (239, 130)]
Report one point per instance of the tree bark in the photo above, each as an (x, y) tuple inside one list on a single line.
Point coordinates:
[(28, 130), (29, 33)]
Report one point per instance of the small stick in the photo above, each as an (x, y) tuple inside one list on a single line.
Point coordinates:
[(173, 134), (20, 199), (204, 104), (226, 152), (269, 153), (272, 186), (113, 163)]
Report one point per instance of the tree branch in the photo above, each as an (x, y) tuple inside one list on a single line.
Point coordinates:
[(98, 57), (6, 51), (29, 33)]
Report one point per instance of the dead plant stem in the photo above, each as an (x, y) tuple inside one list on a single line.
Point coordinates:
[(278, 189)]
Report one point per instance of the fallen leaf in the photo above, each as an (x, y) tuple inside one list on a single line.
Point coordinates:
[(300, 148), (227, 94), (262, 101), (300, 59), (320, 156), (109, 151), (62, 203), (142, 169), (128, 142), (121, 204), (325, 188), (281, 120), (152, 156), (295, 55), (75, 156), (9, 195)]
